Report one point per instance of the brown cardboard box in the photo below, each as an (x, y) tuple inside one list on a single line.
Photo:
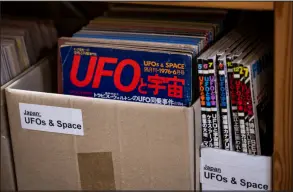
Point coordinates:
[(115, 144)]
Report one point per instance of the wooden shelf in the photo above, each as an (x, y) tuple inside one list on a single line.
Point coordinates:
[(248, 5), (283, 103)]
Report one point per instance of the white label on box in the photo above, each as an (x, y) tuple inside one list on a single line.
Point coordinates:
[(227, 170), (51, 119)]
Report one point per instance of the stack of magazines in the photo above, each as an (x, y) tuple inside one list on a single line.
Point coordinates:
[(136, 54), (236, 89), (23, 41)]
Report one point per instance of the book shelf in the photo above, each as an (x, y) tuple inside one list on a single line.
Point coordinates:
[(282, 166), (283, 80)]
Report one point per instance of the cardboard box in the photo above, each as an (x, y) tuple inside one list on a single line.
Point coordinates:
[(63, 142), (229, 170)]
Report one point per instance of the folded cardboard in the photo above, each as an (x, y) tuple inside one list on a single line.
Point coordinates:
[(63, 142), (7, 167), (8, 181), (229, 170)]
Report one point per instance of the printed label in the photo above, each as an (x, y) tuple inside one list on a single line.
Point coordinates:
[(226, 170), (51, 119)]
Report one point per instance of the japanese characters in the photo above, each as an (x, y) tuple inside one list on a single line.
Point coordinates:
[(142, 59), (231, 94), (101, 74)]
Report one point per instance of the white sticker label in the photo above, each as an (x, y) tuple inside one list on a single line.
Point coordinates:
[(226, 170), (51, 119)]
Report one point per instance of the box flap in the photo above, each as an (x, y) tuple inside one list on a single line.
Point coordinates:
[(7, 167), (197, 142), (8, 182)]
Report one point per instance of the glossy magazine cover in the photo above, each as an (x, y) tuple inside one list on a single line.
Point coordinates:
[(127, 75)]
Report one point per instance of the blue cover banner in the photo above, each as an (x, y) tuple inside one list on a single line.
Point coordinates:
[(127, 75)]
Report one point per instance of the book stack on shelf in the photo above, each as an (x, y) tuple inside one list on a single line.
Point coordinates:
[(236, 92), (23, 42)]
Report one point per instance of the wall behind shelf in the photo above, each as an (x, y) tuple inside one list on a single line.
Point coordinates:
[(67, 16)]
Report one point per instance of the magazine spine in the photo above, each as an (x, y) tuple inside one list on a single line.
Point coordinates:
[(202, 89), (240, 111), (233, 105), (225, 115), (214, 108)]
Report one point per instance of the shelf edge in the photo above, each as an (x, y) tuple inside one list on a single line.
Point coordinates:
[(248, 5)]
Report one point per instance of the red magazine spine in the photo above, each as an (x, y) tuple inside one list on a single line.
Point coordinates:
[(233, 105), (240, 108)]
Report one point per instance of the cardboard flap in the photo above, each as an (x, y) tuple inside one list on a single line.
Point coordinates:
[(27, 80), (7, 169), (7, 166), (37, 78), (197, 143)]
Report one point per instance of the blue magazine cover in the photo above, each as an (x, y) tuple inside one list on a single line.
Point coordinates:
[(127, 75)]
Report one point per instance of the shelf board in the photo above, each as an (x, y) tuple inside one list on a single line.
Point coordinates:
[(283, 98), (250, 5)]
